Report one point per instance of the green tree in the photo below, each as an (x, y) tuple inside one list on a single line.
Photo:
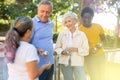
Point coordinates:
[(11, 11)]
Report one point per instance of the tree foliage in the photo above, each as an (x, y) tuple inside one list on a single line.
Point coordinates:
[(15, 10), (29, 7), (9, 11)]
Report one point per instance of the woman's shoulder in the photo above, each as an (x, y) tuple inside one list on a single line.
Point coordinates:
[(27, 45), (80, 32), (96, 25)]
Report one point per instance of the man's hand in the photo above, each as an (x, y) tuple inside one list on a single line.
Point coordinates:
[(40, 51)]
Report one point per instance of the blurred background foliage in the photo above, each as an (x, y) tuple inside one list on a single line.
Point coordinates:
[(11, 9)]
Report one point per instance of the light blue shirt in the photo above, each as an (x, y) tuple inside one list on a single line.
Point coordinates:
[(42, 38)]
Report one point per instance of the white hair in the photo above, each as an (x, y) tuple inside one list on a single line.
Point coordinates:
[(69, 15)]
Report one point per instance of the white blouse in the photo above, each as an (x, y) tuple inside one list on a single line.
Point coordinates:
[(77, 40), (25, 53)]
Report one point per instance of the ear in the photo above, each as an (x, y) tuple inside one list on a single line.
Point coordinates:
[(28, 32)]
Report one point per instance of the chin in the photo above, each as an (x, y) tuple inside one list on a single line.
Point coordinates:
[(87, 25), (44, 20)]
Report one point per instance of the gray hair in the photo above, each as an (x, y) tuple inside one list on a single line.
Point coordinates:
[(47, 3), (69, 15)]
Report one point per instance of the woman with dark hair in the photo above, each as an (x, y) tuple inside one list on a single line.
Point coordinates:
[(21, 56), (95, 61)]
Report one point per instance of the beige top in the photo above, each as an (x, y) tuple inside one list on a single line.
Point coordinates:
[(79, 40)]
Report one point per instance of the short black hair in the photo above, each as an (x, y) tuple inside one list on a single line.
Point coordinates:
[(87, 10)]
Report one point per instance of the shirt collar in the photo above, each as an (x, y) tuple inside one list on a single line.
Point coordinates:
[(75, 33), (38, 20)]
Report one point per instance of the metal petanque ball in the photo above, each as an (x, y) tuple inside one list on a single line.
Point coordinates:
[(45, 53)]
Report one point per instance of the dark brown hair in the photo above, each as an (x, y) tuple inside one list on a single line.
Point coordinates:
[(20, 26)]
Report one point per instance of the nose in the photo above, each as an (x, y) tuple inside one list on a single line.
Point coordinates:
[(45, 14)]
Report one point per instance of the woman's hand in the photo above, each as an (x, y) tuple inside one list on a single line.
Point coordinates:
[(99, 45), (1, 46), (68, 50), (47, 66), (72, 49), (65, 52)]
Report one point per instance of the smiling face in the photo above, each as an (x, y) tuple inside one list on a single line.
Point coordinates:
[(44, 12), (70, 23), (87, 19)]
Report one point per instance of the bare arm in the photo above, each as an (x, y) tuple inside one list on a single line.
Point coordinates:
[(33, 70), (103, 39)]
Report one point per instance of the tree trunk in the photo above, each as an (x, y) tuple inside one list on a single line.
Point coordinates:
[(56, 24), (82, 4), (80, 8), (116, 33)]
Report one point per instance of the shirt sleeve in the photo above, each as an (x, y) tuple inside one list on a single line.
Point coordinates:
[(32, 54), (58, 46), (84, 49)]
